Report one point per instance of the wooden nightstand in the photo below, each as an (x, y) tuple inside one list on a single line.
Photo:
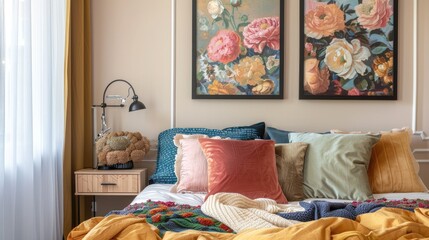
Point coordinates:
[(129, 182), (93, 182)]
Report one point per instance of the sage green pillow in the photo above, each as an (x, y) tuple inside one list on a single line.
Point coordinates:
[(336, 165)]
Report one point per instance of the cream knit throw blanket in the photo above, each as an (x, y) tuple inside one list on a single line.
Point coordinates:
[(241, 213)]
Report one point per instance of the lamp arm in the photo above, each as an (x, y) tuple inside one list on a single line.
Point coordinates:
[(103, 104)]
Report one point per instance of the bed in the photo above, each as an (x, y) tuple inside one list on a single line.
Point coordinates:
[(336, 194)]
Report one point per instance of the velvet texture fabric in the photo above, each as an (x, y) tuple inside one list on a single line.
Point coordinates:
[(78, 101), (167, 151), (392, 166), (290, 169), (191, 165), (245, 167)]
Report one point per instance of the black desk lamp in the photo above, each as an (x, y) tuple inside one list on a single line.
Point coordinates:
[(134, 106)]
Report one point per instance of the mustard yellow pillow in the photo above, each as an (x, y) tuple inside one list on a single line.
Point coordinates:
[(392, 165)]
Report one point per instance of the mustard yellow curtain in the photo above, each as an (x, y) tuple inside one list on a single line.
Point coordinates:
[(78, 101)]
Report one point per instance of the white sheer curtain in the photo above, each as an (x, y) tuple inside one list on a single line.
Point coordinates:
[(32, 43)]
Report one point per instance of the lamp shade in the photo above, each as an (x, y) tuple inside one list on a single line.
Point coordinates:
[(136, 105)]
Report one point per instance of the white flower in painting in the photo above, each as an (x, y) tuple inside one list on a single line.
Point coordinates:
[(203, 21), (204, 28), (272, 62), (346, 59), (206, 68), (225, 75), (215, 8)]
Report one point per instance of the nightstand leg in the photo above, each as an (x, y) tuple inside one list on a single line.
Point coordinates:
[(78, 209), (94, 211)]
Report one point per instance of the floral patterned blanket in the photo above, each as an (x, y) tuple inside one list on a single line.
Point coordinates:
[(169, 216)]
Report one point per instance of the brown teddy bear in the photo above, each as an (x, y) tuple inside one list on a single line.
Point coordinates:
[(121, 147)]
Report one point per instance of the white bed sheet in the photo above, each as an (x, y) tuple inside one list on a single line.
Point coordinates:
[(161, 192)]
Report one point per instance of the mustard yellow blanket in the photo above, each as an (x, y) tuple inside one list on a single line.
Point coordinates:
[(114, 227), (385, 224)]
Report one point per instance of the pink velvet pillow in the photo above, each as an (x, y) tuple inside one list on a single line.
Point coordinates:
[(190, 165), (245, 167)]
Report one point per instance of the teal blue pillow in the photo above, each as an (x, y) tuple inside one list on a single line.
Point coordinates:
[(336, 165), (260, 128), (277, 135), (167, 151), (281, 136)]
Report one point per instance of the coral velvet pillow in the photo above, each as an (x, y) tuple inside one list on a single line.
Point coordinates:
[(245, 167), (164, 172), (392, 166)]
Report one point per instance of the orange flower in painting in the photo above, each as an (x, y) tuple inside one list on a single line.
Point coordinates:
[(324, 21), (249, 70), (218, 88), (316, 81), (383, 67), (266, 87)]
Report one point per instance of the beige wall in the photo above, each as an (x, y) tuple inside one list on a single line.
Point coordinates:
[(131, 40), (423, 84), (423, 65)]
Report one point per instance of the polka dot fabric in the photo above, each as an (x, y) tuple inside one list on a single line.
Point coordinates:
[(167, 151)]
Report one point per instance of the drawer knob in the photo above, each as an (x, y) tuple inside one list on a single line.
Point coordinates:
[(108, 184)]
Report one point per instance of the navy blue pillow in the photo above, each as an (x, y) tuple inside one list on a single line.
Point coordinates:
[(167, 151), (260, 128)]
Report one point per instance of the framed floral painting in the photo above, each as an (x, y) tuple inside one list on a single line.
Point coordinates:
[(237, 49), (349, 49)]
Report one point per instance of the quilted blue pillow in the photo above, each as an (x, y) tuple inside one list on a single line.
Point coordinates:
[(260, 128), (167, 151)]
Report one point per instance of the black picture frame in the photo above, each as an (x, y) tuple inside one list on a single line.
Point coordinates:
[(210, 65), (319, 64)]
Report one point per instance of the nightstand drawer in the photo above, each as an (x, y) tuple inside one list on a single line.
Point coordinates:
[(110, 182), (116, 183)]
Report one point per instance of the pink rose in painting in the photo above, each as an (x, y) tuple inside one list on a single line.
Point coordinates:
[(324, 21), (353, 92), (224, 47), (262, 32), (374, 14)]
